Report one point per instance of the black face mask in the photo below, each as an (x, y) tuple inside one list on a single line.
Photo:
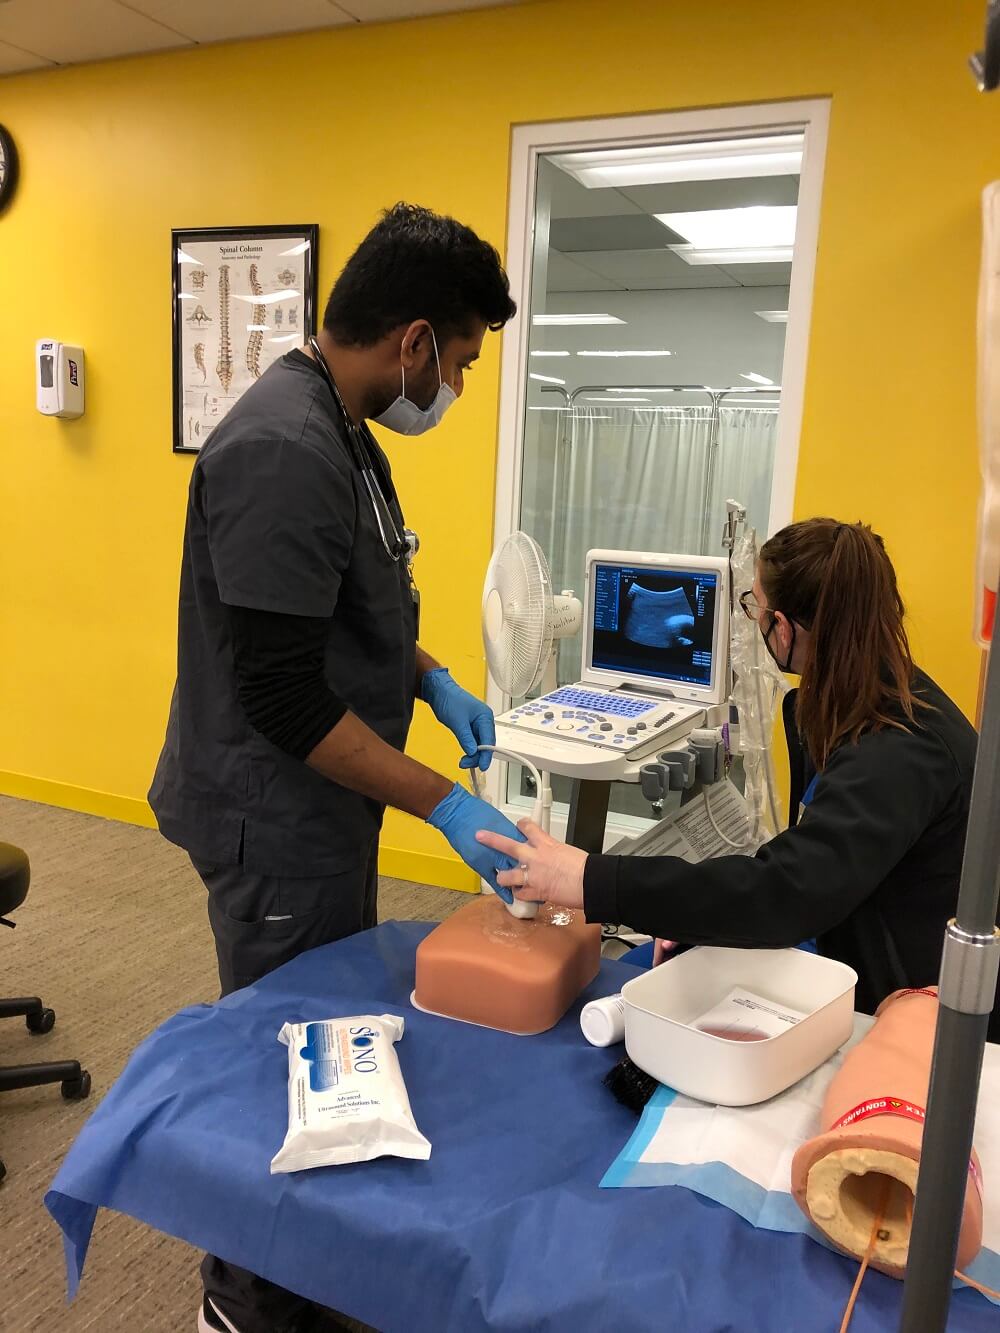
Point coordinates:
[(787, 664)]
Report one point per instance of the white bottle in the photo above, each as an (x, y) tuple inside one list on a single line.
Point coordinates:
[(603, 1021)]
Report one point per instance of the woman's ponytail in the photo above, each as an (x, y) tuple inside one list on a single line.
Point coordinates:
[(836, 580)]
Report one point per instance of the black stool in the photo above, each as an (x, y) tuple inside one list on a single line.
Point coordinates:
[(15, 876)]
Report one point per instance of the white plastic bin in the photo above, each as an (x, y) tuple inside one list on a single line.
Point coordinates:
[(661, 1003)]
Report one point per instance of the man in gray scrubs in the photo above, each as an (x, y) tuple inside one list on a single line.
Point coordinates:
[(298, 660)]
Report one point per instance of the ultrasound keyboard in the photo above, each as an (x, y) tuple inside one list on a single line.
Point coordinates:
[(614, 705), (581, 732)]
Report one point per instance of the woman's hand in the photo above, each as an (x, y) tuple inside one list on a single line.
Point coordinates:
[(547, 871)]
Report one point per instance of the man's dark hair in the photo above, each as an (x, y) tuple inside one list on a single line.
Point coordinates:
[(415, 264)]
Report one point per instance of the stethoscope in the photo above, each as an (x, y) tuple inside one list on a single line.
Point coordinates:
[(403, 543)]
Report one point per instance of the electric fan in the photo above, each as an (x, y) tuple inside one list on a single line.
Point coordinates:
[(522, 624), (522, 620)]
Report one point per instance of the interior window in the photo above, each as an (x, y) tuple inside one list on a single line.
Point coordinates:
[(659, 299)]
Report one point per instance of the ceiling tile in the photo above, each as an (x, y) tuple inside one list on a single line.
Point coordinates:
[(713, 279), (569, 199), (378, 11), (37, 33), (691, 196), (566, 276), (229, 20), (759, 275), (13, 61), (634, 270), (634, 231), (71, 30)]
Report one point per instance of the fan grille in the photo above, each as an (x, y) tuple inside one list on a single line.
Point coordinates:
[(517, 614)]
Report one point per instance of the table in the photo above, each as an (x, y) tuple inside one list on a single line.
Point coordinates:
[(504, 1229)]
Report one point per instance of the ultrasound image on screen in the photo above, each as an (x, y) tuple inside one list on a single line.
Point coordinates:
[(654, 622)]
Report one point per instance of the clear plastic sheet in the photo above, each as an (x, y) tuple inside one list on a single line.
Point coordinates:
[(758, 687)]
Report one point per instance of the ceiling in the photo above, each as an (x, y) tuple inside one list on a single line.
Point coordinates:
[(41, 34), (608, 239)]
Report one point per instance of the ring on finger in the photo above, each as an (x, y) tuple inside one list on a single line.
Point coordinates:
[(523, 867)]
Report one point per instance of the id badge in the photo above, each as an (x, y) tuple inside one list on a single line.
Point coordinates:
[(415, 598)]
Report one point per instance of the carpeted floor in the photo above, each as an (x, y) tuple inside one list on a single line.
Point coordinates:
[(114, 937)]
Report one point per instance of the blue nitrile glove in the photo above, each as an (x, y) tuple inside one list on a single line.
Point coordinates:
[(462, 713), (459, 817)]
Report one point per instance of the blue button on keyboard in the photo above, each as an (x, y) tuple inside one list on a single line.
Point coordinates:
[(614, 704)]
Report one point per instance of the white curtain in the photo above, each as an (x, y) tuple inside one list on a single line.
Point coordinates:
[(640, 480), (745, 462)]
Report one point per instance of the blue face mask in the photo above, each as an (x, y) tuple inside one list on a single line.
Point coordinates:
[(406, 418)]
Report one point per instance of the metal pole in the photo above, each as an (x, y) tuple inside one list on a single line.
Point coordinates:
[(968, 985), (713, 449), (557, 461), (588, 814), (967, 991)]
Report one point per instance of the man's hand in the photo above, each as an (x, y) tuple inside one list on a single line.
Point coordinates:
[(462, 713), (554, 870), (458, 817)]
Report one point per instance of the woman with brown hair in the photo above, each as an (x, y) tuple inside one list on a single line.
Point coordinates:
[(881, 768)]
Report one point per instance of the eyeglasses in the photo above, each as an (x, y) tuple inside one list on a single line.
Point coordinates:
[(751, 608)]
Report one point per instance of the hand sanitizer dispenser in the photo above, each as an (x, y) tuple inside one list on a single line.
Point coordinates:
[(58, 379)]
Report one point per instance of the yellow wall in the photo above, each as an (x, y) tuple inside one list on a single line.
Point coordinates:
[(330, 128)]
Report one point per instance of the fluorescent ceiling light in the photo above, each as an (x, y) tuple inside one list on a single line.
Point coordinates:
[(772, 316), (285, 338), (187, 296), (258, 328), (576, 319), (682, 388), (757, 379), (548, 409), (550, 353), (617, 400), (640, 389), (633, 352), (299, 249), (758, 235), (546, 379), (758, 227), (721, 159), (776, 254)]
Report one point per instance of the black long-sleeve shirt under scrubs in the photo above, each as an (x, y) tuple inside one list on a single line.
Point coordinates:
[(870, 867)]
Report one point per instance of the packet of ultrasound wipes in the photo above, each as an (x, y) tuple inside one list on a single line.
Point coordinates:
[(346, 1098)]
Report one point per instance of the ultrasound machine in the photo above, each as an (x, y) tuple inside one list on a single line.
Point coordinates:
[(655, 666)]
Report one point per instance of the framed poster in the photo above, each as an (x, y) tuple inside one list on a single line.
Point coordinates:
[(243, 296)]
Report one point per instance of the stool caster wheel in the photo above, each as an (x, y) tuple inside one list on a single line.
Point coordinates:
[(3, 1170), (43, 1022), (76, 1089)]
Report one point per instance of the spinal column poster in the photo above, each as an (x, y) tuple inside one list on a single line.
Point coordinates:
[(242, 302)]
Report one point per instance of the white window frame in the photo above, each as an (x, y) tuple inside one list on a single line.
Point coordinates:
[(528, 143)]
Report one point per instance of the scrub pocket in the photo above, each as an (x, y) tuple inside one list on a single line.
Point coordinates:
[(262, 921)]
